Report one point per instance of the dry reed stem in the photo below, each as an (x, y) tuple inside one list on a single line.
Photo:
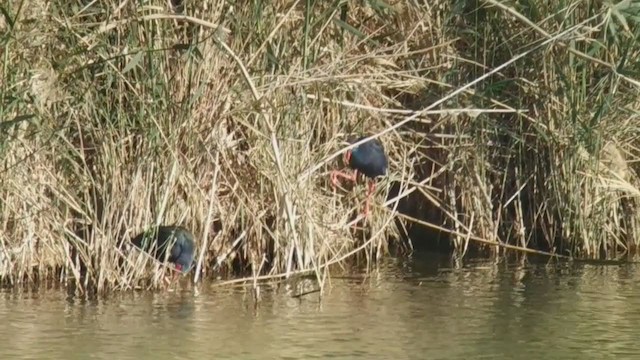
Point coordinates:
[(440, 101), (231, 118)]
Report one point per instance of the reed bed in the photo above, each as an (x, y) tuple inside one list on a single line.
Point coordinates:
[(507, 126)]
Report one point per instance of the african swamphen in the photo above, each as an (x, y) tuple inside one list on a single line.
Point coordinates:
[(368, 158), (157, 241)]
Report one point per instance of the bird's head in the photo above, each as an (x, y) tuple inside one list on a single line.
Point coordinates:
[(182, 253), (184, 261), (351, 140), (184, 264)]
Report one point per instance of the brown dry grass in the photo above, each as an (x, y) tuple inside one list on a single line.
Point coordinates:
[(226, 120)]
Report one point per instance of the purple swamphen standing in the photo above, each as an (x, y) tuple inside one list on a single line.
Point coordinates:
[(370, 159), (177, 240)]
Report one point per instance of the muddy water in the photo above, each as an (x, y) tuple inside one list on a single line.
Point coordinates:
[(426, 308)]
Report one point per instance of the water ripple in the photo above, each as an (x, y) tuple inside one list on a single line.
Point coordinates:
[(406, 311)]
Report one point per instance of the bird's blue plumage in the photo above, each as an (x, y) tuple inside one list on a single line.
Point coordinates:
[(369, 158), (158, 240)]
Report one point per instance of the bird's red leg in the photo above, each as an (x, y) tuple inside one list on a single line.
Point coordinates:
[(371, 188), (166, 280), (170, 280), (335, 174), (176, 273)]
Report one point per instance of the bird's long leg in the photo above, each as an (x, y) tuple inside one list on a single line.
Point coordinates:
[(166, 281), (335, 174), (171, 280), (370, 190)]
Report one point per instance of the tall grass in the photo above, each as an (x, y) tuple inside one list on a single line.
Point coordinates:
[(510, 124)]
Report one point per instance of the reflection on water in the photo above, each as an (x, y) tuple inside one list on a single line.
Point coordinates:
[(421, 309)]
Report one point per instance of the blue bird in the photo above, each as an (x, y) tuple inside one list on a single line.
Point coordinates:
[(175, 242), (370, 159)]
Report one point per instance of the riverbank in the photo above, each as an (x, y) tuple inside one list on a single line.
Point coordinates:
[(500, 125)]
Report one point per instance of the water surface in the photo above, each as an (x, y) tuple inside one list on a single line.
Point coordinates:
[(425, 308)]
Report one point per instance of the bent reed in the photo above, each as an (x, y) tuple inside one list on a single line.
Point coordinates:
[(506, 127)]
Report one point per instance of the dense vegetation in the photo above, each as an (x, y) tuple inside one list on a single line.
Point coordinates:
[(510, 122)]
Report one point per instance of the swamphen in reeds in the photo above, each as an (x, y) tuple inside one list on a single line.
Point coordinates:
[(370, 159), (173, 242)]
